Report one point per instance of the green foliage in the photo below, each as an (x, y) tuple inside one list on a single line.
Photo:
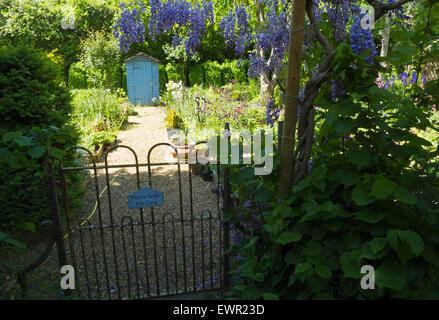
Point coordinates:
[(173, 120), (209, 73), (99, 114), (31, 93), (101, 60), (78, 77), (32, 105), (23, 191), (41, 24), (235, 103), (7, 239), (371, 198)]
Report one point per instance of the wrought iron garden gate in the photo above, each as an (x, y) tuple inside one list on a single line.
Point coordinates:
[(122, 253)]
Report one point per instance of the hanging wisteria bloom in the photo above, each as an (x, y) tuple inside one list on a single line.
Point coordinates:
[(414, 78), (129, 27), (404, 76), (338, 89), (271, 113), (271, 37), (339, 12), (362, 41), (236, 29), (187, 21)]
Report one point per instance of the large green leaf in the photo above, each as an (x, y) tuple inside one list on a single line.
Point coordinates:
[(348, 177), (312, 248), (270, 296), (360, 158), (382, 188), (370, 215), (390, 275), (407, 244), (5, 238), (368, 253), (404, 195), (430, 255), (22, 141), (36, 152), (288, 237), (302, 267), (351, 269), (361, 198), (378, 244), (414, 240), (344, 126), (322, 271)]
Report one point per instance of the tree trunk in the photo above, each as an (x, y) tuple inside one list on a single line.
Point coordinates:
[(385, 40), (204, 75), (265, 76), (66, 73), (187, 80), (285, 180)]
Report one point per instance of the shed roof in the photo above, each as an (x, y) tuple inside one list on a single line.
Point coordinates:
[(144, 55)]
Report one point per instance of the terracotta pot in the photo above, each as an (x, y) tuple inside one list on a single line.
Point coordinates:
[(183, 151)]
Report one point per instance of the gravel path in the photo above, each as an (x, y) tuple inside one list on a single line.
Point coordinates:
[(147, 251)]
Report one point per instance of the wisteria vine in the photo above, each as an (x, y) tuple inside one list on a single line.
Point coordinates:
[(186, 20), (129, 28)]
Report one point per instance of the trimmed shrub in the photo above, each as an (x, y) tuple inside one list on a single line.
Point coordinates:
[(31, 93), (33, 104)]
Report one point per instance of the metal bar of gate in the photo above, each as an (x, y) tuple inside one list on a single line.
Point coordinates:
[(227, 205)]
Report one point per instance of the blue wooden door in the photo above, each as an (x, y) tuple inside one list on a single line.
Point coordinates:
[(148, 84), (139, 82), (142, 79)]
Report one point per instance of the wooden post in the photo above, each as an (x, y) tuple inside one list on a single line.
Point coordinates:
[(291, 97), (280, 127), (57, 233)]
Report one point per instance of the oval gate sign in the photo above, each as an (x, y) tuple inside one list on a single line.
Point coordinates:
[(145, 197)]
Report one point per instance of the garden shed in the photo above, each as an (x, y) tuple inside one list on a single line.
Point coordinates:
[(142, 79)]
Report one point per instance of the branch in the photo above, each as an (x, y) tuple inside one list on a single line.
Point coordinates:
[(381, 8), (312, 19)]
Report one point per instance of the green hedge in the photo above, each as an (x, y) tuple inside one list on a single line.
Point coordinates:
[(32, 104), (210, 73), (31, 90)]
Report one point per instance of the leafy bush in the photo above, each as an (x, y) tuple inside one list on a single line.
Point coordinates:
[(371, 199), (211, 108), (101, 59), (23, 190), (174, 72), (78, 78), (99, 114), (31, 94), (173, 120), (32, 104)]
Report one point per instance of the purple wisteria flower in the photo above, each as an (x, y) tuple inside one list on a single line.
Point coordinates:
[(404, 76), (129, 27), (271, 113), (414, 78), (362, 41), (272, 37), (181, 17)]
